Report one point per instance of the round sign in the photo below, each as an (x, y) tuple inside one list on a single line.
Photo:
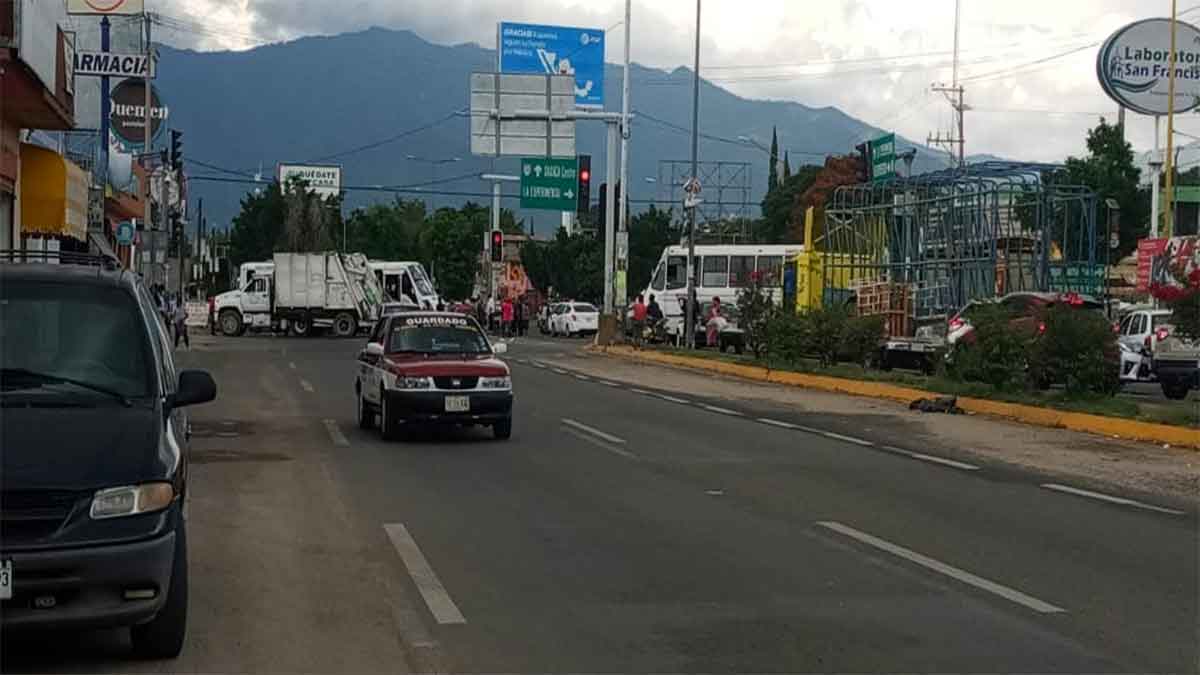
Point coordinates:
[(1134, 66), (128, 117), (104, 6)]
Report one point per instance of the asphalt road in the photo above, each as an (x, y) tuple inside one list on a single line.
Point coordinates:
[(627, 529)]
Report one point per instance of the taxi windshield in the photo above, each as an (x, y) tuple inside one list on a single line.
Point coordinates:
[(459, 338)]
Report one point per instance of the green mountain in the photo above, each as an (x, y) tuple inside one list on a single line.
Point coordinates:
[(367, 100)]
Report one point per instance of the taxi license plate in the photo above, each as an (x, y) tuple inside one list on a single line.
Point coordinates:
[(6, 580), (458, 404)]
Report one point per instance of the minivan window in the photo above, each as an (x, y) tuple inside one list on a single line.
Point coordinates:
[(89, 334)]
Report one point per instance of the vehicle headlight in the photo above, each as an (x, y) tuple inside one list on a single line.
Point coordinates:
[(131, 500), (414, 382), (495, 382)]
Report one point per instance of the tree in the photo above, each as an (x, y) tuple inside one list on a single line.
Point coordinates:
[(258, 227), (571, 265), (787, 165), (456, 241), (649, 233), (395, 231), (1110, 171), (779, 204), (773, 170)]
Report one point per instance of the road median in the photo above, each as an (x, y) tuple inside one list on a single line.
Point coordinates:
[(1177, 436)]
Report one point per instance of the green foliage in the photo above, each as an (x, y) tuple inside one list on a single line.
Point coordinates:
[(258, 228), (819, 333), (757, 309), (395, 231), (455, 243), (1077, 349), (998, 354), (780, 202), (1109, 170), (773, 170), (861, 339), (649, 233), (572, 266)]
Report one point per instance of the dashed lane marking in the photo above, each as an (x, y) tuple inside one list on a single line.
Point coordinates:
[(1111, 499), (849, 439), (436, 598), (580, 426), (963, 576), (931, 458), (777, 423), (335, 434), (292, 365), (306, 386), (591, 440), (722, 411)]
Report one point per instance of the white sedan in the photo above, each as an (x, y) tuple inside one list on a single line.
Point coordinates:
[(574, 318)]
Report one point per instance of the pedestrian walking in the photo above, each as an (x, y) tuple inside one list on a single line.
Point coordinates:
[(520, 314), (639, 321), (714, 313), (181, 330), (507, 313)]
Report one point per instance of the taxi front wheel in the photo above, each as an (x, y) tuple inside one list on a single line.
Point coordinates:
[(503, 430), (387, 419)]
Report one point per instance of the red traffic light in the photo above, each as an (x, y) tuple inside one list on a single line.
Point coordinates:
[(497, 245), (585, 175)]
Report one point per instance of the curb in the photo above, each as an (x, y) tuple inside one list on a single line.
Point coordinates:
[(1032, 415)]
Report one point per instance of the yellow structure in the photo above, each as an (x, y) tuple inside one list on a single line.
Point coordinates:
[(812, 266), (54, 195)]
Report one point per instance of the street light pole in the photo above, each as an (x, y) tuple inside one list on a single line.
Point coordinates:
[(690, 309)]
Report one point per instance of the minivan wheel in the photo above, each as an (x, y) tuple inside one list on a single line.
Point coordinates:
[(162, 637), (231, 322)]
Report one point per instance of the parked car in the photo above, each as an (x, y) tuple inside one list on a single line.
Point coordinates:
[(1136, 333), (730, 336), (95, 455), (546, 314), (575, 318)]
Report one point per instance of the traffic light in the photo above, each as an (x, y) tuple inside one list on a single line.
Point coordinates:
[(864, 149), (177, 149), (584, 189), (497, 246), (603, 206)]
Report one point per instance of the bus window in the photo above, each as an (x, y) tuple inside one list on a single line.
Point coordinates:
[(771, 269), (740, 269), (660, 278), (676, 272), (716, 272)]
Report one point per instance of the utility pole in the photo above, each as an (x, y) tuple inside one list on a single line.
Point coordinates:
[(149, 141), (1170, 196), (623, 259), (105, 113), (955, 94), (690, 310)]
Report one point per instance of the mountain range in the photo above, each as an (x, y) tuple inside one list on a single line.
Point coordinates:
[(371, 99)]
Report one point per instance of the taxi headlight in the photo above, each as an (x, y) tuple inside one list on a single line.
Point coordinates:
[(131, 500), (495, 382), (414, 382)]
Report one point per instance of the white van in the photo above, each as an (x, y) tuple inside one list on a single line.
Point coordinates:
[(721, 271)]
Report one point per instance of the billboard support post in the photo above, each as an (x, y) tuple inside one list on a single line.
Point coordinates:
[(610, 176), (105, 109), (148, 135), (622, 212)]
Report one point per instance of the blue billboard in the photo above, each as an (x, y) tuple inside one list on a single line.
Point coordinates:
[(556, 50)]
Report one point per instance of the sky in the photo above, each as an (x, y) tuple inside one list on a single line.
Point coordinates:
[(877, 60)]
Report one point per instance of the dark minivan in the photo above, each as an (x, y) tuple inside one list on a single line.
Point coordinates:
[(93, 454)]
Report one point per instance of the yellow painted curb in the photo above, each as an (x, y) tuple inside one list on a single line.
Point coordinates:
[(1046, 417)]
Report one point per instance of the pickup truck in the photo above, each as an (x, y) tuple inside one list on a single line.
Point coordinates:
[(1176, 363)]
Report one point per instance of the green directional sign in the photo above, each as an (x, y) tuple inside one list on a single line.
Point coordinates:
[(883, 157), (549, 184)]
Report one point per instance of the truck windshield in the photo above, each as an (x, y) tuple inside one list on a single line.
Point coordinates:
[(422, 281)]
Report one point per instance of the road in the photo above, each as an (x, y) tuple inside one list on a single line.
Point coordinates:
[(626, 529)]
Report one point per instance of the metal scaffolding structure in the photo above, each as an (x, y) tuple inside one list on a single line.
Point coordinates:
[(726, 209), (923, 247)]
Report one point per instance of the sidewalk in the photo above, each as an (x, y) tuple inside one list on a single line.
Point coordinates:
[(1138, 466)]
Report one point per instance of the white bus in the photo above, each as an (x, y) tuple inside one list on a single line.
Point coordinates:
[(721, 271)]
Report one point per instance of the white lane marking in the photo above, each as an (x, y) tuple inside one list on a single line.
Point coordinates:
[(673, 399), (335, 434), (436, 598), (931, 458), (306, 386), (520, 360), (600, 444), (848, 439), (539, 364), (777, 423), (595, 432), (942, 568), (585, 378), (292, 365), (560, 371), (1111, 499), (611, 384), (643, 392), (723, 411)]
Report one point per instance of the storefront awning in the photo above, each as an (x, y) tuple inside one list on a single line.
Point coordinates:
[(54, 194)]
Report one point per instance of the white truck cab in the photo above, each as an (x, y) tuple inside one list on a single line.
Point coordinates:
[(406, 281)]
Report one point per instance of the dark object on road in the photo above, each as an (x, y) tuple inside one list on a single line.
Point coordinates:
[(432, 368), (95, 455), (945, 404)]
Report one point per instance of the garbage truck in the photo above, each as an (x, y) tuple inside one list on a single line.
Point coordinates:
[(304, 292)]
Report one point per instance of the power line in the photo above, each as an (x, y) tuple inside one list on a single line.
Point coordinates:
[(390, 139), (638, 115)]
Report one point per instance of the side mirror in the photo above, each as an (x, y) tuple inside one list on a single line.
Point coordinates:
[(195, 386), (500, 348), (374, 349)]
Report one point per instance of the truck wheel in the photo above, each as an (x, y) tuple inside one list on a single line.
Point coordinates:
[(345, 325), (301, 325), (231, 322), (1176, 391), (162, 637)]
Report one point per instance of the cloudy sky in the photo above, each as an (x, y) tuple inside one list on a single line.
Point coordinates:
[(874, 59)]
